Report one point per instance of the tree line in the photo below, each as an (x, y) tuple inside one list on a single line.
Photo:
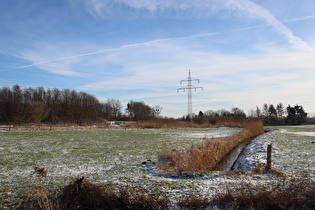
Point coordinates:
[(38, 105), (273, 115), (280, 115)]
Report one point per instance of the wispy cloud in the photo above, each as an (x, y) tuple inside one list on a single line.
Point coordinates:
[(39, 61), (244, 52), (153, 8), (246, 7), (201, 9)]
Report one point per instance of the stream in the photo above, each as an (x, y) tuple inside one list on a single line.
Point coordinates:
[(228, 165)]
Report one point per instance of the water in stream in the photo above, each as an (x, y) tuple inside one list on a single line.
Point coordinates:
[(228, 165)]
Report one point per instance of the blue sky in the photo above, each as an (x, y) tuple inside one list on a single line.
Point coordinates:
[(245, 53)]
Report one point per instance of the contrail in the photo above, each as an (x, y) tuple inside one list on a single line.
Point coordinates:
[(247, 6), (143, 44), (255, 10)]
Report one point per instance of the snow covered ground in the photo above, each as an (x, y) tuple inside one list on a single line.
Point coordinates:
[(293, 152), (116, 156)]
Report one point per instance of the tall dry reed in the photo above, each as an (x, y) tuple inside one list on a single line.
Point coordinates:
[(83, 194), (165, 123), (209, 154), (291, 194)]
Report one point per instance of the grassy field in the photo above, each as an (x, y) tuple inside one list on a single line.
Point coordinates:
[(99, 155), (294, 150), (115, 156)]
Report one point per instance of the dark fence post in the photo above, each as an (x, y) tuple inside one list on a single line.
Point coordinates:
[(268, 167)]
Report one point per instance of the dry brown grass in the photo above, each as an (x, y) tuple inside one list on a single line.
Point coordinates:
[(282, 194), (153, 123), (294, 194), (261, 168), (173, 123), (165, 123), (46, 201), (83, 194), (193, 201), (210, 154), (40, 171)]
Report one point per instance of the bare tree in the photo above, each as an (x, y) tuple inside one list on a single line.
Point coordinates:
[(115, 108), (139, 110), (258, 112), (223, 113), (39, 111), (210, 113), (237, 112)]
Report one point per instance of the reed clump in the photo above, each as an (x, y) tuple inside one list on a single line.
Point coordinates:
[(209, 155), (282, 194), (83, 194), (165, 123), (292, 194), (193, 201)]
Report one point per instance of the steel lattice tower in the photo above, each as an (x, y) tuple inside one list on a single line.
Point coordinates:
[(189, 87)]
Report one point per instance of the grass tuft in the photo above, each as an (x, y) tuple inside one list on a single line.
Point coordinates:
[(295, 194), (83, 194), (193, 201), (261, 168)]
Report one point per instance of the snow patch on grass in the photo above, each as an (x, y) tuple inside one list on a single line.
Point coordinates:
[(116, 156), (303, 133), (293, 152)]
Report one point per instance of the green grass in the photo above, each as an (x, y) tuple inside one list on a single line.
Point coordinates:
[(296, 128), (99, 155), (294, 153), (105, 156)]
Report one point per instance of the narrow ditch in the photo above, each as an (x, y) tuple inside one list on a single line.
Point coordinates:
[(232, 158)]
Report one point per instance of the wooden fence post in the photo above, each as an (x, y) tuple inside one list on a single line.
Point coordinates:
[(268, 167)]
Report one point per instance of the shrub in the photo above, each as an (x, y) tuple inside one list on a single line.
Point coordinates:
[(193, 202), (83, 194), (294, 194), (210, 154)]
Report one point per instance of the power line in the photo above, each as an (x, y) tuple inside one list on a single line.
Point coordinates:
[(189, 87)]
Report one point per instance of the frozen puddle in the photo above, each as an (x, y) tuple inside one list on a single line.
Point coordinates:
[(303, 133), (221, 132)]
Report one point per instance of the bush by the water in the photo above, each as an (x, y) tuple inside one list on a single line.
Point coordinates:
[(83, 194), (292, 194), (209, 154)]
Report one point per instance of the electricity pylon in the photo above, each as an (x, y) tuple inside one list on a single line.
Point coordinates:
[(189, 87)]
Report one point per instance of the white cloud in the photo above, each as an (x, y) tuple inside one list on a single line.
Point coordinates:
[(201, 9), (98, 8), (246, 7), (247, 80), (154, 8), (46, 56)]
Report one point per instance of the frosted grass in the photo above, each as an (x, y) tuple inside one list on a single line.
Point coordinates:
[(116, 156), (99, 155), (293, 151)]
